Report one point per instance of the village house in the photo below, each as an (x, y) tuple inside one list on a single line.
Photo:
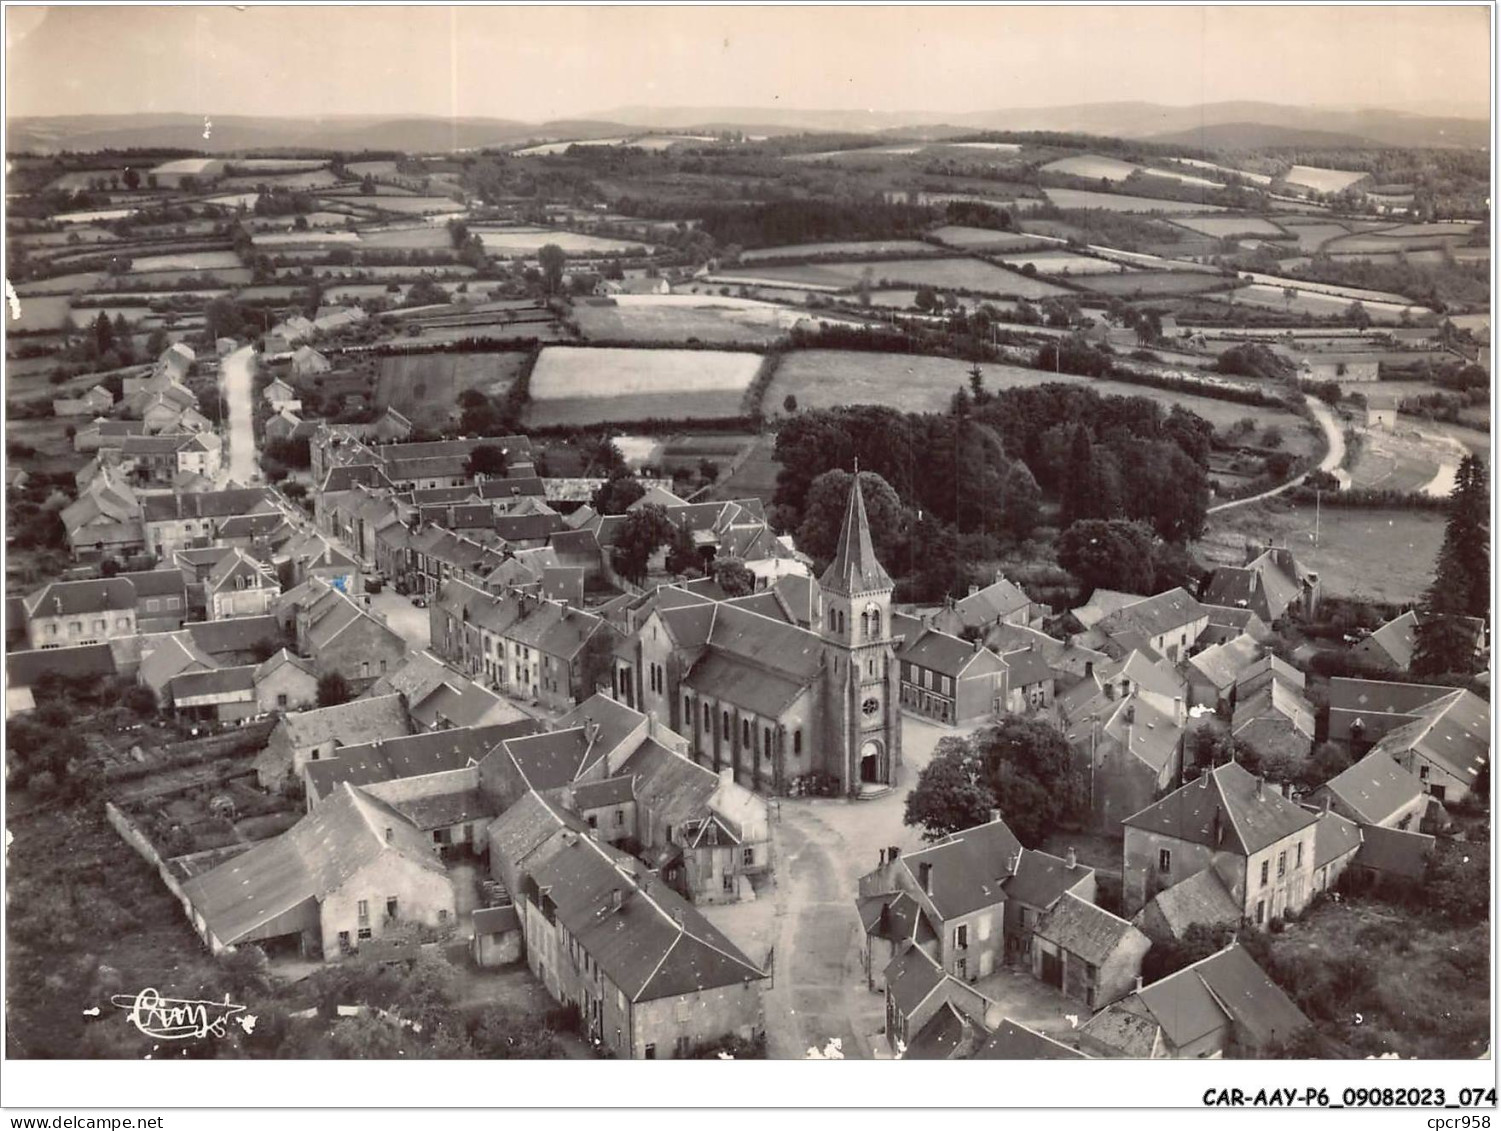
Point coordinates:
[(178, 521), (921, 996), (310, 555), (308, 362), (1014, 1041), (1000, 602), (240, 586), (1212, 673), (1271, 583), (1376, 791), (1087, 953), (281, 396), (25, 668), (307, 736), (70, 613), (222, 695), (1260, 844), (338, 635), (1337, 842), (100, 433), (284, 682), (1393, 644), (649, 975), (439, 697), (105, 520), (1201, 900), (1445, 744), (161, 599), (1169, 623), (1223, 1005), (92, 403), (1271, 714), (351, 871), (948, 680), (497, 939)]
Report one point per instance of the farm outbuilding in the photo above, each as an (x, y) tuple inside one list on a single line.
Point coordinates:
[(497, 936)]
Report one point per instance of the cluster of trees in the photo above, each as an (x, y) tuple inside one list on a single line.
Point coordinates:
[(1431, 284), (1117, 554), (810, 221), (47, 752), (1022, 767), (1252, 359), (1444, 641)]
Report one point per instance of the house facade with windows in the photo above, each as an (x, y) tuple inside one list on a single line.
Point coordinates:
[(69, 613), (950, 681), (1260, 844)]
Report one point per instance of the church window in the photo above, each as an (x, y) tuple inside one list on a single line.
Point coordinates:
[(725, 729), (797, 741), (688, 710), (745, 732), (706, 716)]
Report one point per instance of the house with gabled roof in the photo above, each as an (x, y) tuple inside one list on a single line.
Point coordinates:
[(1212, 674), (930, 1009), (1361, 711), (1260, 844), (1393, 644), (1087, 953), (307, 736), (1271, 582), (240, 586), (651, 976), (1274, 719), (105, 520), (1014, 1041), (1445, 744), (338, 635), (1200, 900), (348, 873), (1376, 791), (951, 680), (70, 613), (1221, 1006), (1226, 623)]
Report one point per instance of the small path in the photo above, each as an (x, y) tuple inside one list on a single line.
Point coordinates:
[(1333, 457), (237, 378)]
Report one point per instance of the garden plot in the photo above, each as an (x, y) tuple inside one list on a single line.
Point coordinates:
[(94, 216), (1154, 283), (1346, 293), (428, 237), (524, 242), (425, 387), (577, 386), (1313, 303), (1062, 263), (849, 247), (1323, 180), (1119, 202), (307, 239)]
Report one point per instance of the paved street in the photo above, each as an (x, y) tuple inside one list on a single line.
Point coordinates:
[(406, 619), (823, 847), (238, 381)]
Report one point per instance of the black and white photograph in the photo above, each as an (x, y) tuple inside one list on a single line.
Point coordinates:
[(571, 534)]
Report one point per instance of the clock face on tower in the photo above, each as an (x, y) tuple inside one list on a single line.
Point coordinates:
[(870, 706)]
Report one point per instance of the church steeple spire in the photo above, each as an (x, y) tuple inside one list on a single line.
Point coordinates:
[(855, 568)]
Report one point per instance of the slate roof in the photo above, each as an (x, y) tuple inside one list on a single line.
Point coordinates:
[(1201, 898), (156, 582), (527, 825), (855, 568), (942, 1037), (655, 944), (676, 789), (1222, 664), (615, 720), (911, 977), (80, 598), (968, 869), (940, 652), (1222, 809), (897, 917), (1375, 787), (233, 634), (1026, 667), (1041, 879), (352, 724), (220, 681), (1166, 612), (551, 759), (444, 810), (163, 657), (1453, 732), (434, 752), (1335, 837), (207, 504), (603, 794), (1225, 989), (999, 599), (1275, 699), (1081, 928), (1395, 852), (1014, 1041), (1103, 602), (747, 686), (311, 860), (496, 920), (25, 668)]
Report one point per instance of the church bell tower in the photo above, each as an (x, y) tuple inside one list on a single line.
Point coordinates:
[(861, 654)]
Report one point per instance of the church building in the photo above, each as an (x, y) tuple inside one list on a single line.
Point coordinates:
[(787, 709)]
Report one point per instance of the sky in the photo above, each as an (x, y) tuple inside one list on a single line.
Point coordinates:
[(536, 64)]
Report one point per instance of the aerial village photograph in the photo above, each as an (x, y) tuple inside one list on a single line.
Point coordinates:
[(749, 534)]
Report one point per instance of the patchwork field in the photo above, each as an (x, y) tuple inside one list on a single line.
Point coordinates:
[(1222, 227), (570, 385), (1313, 303), (1119, 202), (849, 247), (987, 239), (1322, 180), (1062, 263), (514, 242), (428, 237), (1405, 542), (708, 318), (944, 274), (1253, 178), (425, 387), (186, 261), (1154, 283), (1096, 168)]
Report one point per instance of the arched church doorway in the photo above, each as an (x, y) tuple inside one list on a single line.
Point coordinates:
[(870, 762)]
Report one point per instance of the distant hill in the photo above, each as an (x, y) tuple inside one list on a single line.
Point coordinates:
[(1214, 125), (1254, 135)]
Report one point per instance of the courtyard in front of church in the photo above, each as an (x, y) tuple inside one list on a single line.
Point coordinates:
[(807, 926)]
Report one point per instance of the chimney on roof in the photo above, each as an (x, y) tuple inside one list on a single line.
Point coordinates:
[(1138, 983), (995, 815), (925, 877), (978, 643), (1326, 802), (892, 853), (677, 916), (615, 898), (883, 859), (1013, 862), (390, 834), (973, 589), (591, 730), (1260, 787), (1071, 861), (1204, 778), (1130, 712), (57, 605)]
